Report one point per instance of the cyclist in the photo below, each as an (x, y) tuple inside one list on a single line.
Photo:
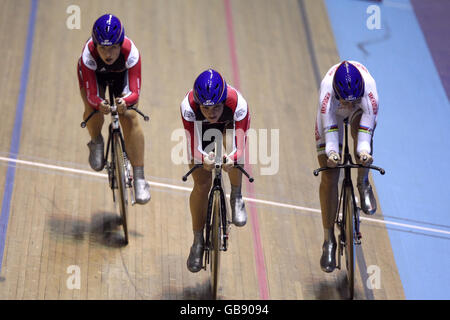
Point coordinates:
[(212, 104), (110, 55), (347, 90)]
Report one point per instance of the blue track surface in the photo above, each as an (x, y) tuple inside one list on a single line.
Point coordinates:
[(411, 141)]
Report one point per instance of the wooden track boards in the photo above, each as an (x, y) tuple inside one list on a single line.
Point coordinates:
[(60, 219)]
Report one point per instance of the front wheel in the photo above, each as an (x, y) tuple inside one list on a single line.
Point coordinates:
[(215, 244), (349, 212), (120, 179)]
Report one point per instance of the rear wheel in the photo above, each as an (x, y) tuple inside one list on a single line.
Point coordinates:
[(349, 241), (215, 244), (120, 179)]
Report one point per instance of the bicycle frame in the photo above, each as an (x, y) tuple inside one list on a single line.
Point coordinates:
[(217, 187), (116, 133), (213, 244), (123, 167), (347, 186)]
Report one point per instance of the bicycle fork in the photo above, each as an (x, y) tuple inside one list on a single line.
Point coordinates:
[(223, 225), (111, 165), (356, 221), (340, 221)]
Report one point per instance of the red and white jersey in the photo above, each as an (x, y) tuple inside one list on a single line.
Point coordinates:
[(330, 113), (91, 68), (235, 115)]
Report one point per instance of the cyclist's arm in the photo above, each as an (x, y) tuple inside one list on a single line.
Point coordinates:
[(90, 85), (241, 120), (134, 80), (369, 105), (328, 117), (240, 138), (193, 132)]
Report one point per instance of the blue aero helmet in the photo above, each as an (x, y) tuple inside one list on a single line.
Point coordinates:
[(348, 83), (108, 31), (210, 88)]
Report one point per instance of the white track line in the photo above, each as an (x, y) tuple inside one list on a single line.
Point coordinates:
[(174, 187)]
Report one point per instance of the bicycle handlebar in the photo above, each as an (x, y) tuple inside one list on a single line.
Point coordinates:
[(238, 166), (146, 118), (132, 107), (343, 166), (83, 124)]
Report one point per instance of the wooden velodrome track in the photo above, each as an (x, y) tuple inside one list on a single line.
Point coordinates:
[(60, 218)]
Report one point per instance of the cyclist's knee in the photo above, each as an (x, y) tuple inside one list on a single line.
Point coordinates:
[(130, 121), (328, 177), (202, 180), (129, 116), (202, 185), (329, 181)]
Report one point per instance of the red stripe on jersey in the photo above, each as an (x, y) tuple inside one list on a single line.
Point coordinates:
[(325, 103), (232, 99), (374, 103), (126, 48), (134, 83), (93, 49), (192, 102)]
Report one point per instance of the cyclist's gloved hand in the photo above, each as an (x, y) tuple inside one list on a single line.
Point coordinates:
[(121, 105), (365, 158), (104, 107), (228, 165), (333, 159), (209, 161)]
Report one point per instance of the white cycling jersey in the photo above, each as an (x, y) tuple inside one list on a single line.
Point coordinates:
[(330, 114)]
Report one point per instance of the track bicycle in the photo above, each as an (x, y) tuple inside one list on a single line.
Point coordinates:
[(347, 220), (120, 173), (217, 222)]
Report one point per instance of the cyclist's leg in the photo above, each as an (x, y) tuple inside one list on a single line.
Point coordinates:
[(135, 145), (328, 189), (328, 195), (198, 202), (238, 212), (94, 126), (368, 202), (134, 137)]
